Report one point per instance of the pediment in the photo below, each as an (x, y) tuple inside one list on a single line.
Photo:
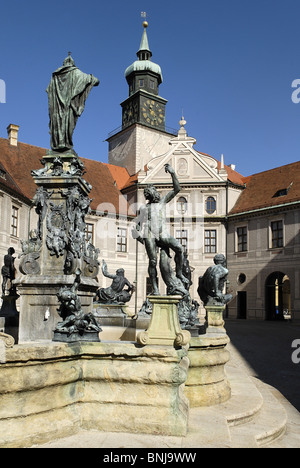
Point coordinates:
[(190, 166)]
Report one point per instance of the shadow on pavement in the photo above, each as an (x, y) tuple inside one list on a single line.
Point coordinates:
[(267, 348)]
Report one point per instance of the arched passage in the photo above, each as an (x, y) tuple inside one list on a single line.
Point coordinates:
[(278, 296)]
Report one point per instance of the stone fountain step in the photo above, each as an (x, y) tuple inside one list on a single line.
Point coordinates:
[(246, 400), (254, 417), (291, 437), (248, 419), (267, 424)]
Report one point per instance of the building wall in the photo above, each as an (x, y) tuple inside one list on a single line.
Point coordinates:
[(10, 237), (135, 146), (262, 260), (257, 263)]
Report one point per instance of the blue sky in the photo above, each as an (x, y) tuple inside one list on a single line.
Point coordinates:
[(228, 64)]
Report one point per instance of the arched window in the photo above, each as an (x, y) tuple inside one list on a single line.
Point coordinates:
[(211, 205), (181, 205), (278, 296)]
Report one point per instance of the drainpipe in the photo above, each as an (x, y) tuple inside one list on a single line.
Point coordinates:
[(226, 240), (226, 221), (136, 276)]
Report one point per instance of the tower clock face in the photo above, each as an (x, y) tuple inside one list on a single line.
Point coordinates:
[(130, 113), (152, 113)]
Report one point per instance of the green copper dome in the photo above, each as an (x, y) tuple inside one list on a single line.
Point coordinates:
[(144, 65)]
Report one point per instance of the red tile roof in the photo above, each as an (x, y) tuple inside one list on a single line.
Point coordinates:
[(277, 186), (7, 182), (105, 191), (18, 161), (119, 174), (132, 180), (233, 175)]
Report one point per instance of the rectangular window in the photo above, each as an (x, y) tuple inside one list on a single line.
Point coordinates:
[(277, 234), (14, 221), (182, 237), (151, 84), (141, 83), (122, 240), (210, 241), (89, 233), (242, 239)]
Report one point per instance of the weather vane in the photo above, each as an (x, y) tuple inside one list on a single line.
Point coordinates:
[(144, 15)]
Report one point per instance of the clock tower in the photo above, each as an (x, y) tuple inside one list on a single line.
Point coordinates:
[(144, 105), (143, 133)]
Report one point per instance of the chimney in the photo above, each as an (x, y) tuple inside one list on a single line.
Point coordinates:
[(12, 134)]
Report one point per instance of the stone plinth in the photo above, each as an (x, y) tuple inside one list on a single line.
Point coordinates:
[(116, 322), (39, 303), (164, 328), (51, 390), (90, 336), (111, 314), (214, 319), (207, 384)]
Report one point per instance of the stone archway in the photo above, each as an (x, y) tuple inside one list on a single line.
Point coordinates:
[(278, 296)]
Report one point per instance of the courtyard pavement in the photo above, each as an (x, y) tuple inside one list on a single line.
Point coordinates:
[(266, 350)]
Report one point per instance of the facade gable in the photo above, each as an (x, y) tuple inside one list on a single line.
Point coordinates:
[(190, 165)]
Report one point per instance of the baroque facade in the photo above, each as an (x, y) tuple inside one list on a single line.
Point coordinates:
[(217, 211)]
